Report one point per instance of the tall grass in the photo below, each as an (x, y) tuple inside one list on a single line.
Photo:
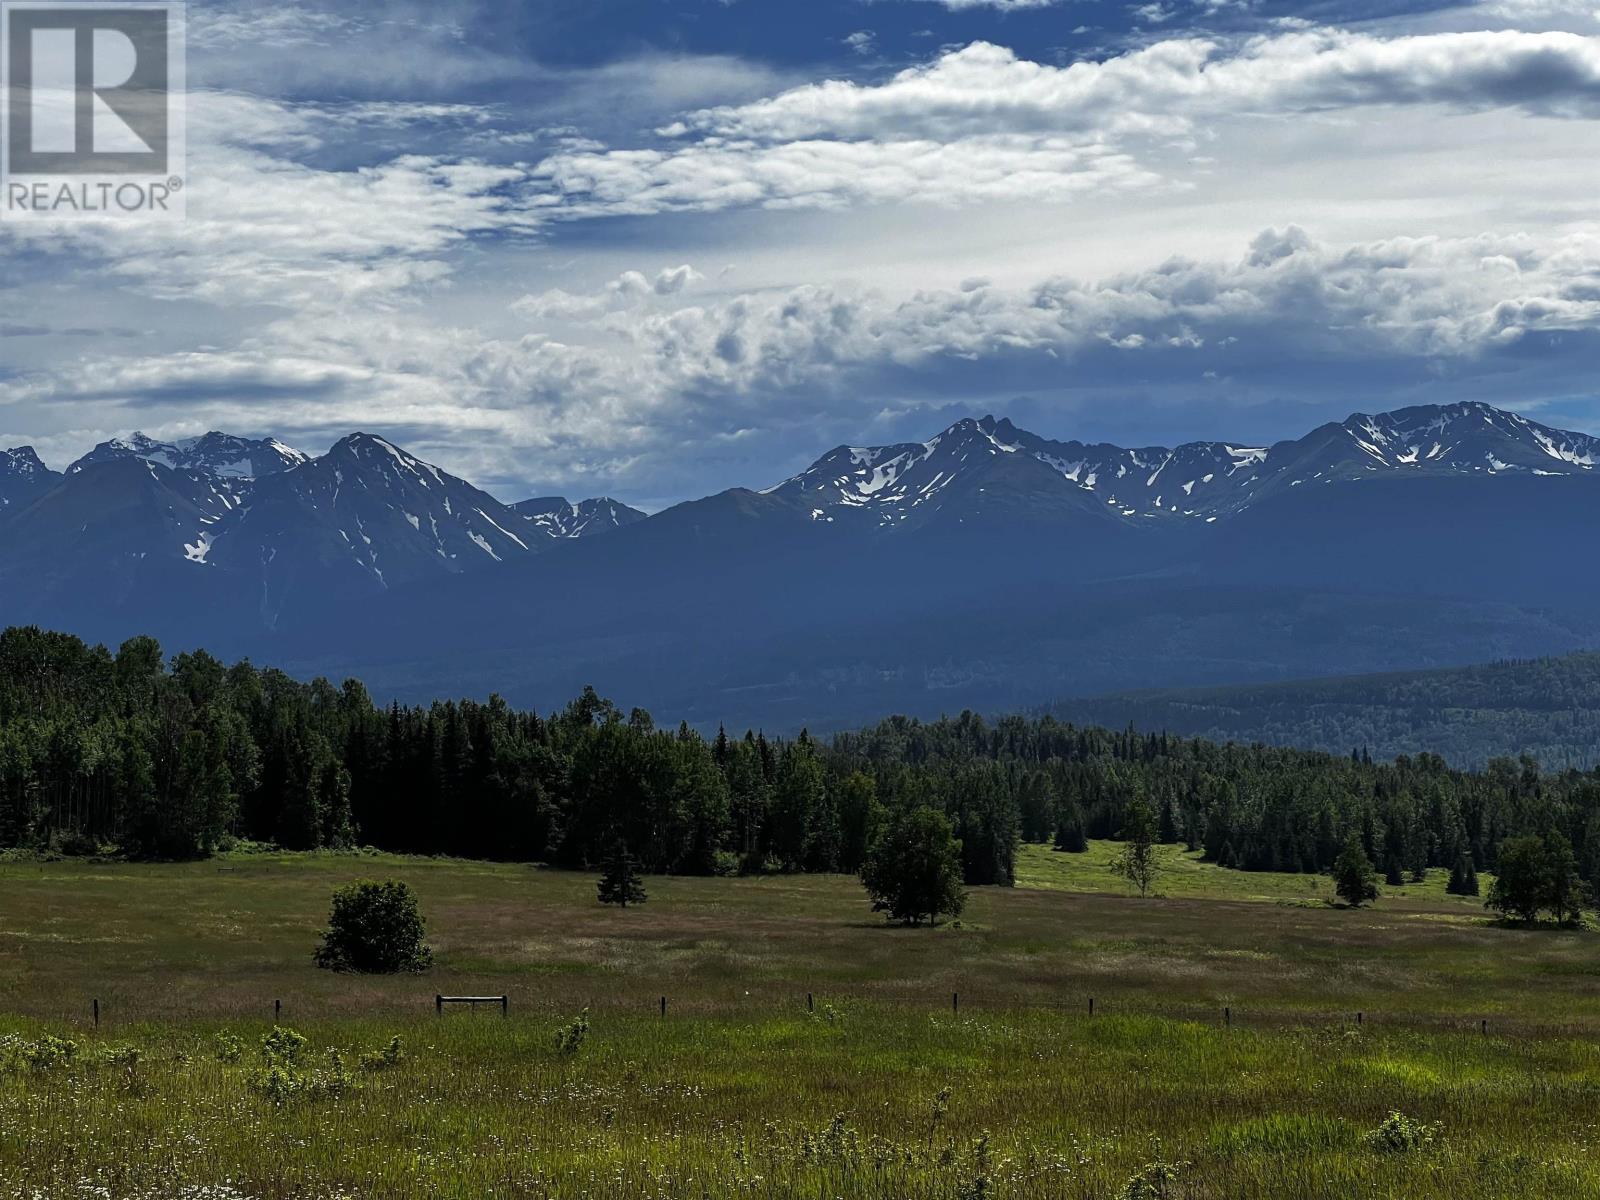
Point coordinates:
[(586, 1092), (875, 1102)]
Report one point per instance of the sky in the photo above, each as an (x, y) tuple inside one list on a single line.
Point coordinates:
[(657, 248)]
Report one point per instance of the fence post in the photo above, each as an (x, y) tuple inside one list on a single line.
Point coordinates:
[(438, 1003), (810, 1006), (1358, 1018), (1091, 1006), (955, 1002), (505, 1007), (1483, 1027), (277, 1011), (1227, 1015), (663, 1006), (97, 1014)]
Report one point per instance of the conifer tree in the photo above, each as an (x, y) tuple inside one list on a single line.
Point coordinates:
[(620, 883), (1463, 877), (1070, 836), (1354, 880)]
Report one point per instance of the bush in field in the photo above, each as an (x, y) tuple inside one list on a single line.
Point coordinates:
[(282, 1047), (1156, 1180), (284, 1073), (1399, 1134), (392, 1055), (375, 929), (913, 871), (571, 1036), (1354, 880)]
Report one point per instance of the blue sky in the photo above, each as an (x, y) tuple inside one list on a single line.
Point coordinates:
[(655, 248)]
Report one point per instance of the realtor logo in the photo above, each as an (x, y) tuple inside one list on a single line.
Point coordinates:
[(93, 114)]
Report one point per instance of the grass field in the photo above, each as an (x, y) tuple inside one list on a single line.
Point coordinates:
[(883, 1090)]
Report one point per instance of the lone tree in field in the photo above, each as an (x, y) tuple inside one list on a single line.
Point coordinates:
[(1354, 880), (1136, 861), (1535, 874), (1519, 885), (1463, 877), (620, 882), (913, 871), (374, 929)]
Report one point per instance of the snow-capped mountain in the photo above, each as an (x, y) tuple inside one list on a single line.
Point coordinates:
[(366, 514), (22, 476), (257, 525), (987, 566), (1198, 480), (221, 454), (558, 517)]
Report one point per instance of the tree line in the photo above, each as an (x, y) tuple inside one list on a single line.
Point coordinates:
[(175, 758)]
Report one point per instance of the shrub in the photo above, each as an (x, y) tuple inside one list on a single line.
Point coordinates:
[(1157, 1180), (374, 929), (283, 1074), (282, 1047), (49, 1052), (1399, 1134), (392, 1055), (570, 1037), (227, 1048)]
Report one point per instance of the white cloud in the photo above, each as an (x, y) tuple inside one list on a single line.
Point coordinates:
[(1289, 297), (327, 280), (618, 396), (862, 41), (986, 89), (980, 124), (1000, 5)]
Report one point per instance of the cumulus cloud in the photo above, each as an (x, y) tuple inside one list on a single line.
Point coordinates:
[(629, 290), (1288, 297), (862, 41), (981, 124), (999, 5), (585, 407), (326, 280), (985, 89)]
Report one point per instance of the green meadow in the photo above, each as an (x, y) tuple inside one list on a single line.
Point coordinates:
[(807, 1049)]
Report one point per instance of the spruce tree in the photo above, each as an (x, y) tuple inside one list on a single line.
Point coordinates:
[(1463, 877), (1353, 877), (620, 883), (1070, 836)]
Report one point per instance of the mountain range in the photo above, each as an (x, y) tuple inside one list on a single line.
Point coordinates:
[(987, 567)]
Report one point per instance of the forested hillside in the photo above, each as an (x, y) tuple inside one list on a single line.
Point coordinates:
[(1547, 708), (125, 751)]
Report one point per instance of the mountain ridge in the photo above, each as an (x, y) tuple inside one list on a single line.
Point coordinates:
[(987, 567)]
